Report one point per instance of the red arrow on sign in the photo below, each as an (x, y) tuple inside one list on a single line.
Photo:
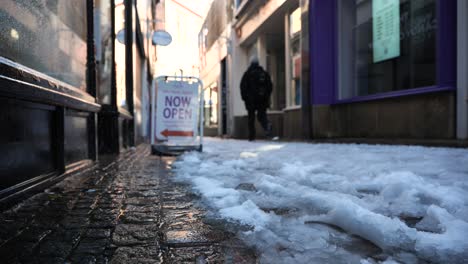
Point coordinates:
[(168, 133)]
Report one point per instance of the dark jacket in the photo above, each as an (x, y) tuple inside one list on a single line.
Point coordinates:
[(251, 96)]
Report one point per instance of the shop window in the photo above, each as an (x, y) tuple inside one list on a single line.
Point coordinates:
[(294, 88), (120, 65), (46, 36), (103, 43), (386, 45), (211, 105)]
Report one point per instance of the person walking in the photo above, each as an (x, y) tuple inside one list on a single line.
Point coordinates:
[(256, 88)]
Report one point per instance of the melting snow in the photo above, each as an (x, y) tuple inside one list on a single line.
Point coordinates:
[(324, 203)]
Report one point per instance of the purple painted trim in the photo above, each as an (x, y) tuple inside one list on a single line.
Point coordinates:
[(394, 94), (324, 46), (446, 43), (323, 51)]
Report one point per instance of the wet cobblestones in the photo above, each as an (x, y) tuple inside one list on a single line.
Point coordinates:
[(124, 210)]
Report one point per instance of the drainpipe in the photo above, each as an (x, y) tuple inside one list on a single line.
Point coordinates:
[(91, 79), (129, 69), (462, 70), (306, 81)]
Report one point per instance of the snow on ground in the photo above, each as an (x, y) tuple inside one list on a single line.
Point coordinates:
[(337, 203)]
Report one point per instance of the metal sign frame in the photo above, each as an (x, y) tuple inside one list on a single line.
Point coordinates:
[(167, 147)]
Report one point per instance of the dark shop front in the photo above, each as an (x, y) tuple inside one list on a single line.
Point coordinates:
[(58, 95)]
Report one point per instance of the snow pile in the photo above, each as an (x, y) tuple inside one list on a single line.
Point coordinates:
[(323, 203)]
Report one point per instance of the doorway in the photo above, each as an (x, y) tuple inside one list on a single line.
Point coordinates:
[(224, 87)]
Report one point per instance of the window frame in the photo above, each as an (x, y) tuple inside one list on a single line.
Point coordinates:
[(290, 80)]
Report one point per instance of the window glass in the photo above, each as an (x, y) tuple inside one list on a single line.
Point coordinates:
[(120, 57), (211, 105), (295, 57), (103, 42), (386, 45), (47, 36)]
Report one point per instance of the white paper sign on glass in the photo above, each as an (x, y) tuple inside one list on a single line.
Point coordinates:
[(385, 29), (177, 111)]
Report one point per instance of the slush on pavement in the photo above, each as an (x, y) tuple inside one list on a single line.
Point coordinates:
[(337, 203)]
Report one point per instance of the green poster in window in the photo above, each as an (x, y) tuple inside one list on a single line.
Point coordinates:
[(385, 29)]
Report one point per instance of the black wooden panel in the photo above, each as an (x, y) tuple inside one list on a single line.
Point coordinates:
[(19, 82), (76, 136), (108, 130), (26, 141), (123, 132)]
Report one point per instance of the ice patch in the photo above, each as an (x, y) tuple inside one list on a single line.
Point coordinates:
[(412, 202), (247, 213), (451, 244), (246, 155)]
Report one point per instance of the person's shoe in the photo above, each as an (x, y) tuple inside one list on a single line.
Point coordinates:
[(269, 130)]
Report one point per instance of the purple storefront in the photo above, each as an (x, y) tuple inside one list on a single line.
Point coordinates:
[(384, 69)]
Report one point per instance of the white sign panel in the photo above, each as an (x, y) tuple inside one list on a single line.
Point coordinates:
[(386, 29), (177, 109)]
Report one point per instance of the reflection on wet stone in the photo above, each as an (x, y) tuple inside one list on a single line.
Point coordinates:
[(177, 205), (132, 234), (91, 246), (98, 233), (138, 218), (142, 201), (190, 237), (149, 254), (208, 254), (83, 259), (142, 208)]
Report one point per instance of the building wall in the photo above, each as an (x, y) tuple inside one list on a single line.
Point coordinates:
[(255, 15), (215, 48), (430, 112), (216, 21), (239, 65), (241, 129), (181, 56), (261, 30), (429, 116), (293, 124)]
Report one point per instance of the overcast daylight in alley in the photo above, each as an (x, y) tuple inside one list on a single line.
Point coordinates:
[(234, 131)]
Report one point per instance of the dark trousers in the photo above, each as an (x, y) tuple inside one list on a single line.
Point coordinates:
[(261, 117)]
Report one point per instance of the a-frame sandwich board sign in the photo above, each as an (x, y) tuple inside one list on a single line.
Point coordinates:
[(176, 115)]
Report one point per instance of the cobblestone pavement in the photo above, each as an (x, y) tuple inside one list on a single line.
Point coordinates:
[(123, 210)]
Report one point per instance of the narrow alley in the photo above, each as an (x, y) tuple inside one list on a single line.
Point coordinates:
[(234, 131)]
